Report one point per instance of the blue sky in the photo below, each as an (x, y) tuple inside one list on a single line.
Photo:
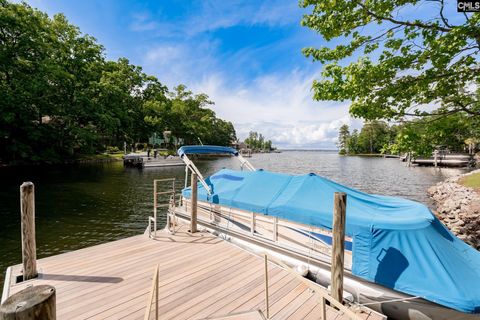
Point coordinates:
[(246, 55)]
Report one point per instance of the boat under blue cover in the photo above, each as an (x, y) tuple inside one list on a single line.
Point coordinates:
[(397, 243)]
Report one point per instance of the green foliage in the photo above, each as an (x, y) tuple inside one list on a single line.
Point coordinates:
[(352, 144), (373, 136), (343, 138), (61, 98), (421, 136), (256, 141), (111, 149), (371, 139), (405, 62)]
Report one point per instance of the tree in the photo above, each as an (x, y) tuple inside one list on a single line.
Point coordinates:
[(352, 144), (256, 141), (373, 136), (423, 136), (343, 138), (60, 97), (407, 60)]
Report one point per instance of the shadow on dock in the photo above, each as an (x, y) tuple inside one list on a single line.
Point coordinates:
[(77, 278)]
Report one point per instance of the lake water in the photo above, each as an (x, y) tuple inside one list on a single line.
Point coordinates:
[(83, 205)]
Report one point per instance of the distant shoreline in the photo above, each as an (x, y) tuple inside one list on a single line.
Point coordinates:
[(316, 150)]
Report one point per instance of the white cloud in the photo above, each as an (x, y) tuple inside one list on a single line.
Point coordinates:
[(280, 106), (164, 55), (176, 63), (143, 22)]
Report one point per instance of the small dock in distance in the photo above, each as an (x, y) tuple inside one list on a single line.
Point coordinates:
[(200, 277)]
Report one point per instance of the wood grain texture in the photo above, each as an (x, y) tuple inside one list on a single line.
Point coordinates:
[(200, 276), (338, 244), (31, 303), (27, 210)]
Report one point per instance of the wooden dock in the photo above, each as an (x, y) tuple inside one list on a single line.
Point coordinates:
[(200, 277)]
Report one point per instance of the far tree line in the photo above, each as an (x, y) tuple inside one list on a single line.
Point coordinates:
[(257, 142), (458, 132), (61, 97)]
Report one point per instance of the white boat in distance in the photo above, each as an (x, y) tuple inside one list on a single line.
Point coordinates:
[(399, 258)]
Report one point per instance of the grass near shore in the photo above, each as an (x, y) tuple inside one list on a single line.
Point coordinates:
[(471, 181)]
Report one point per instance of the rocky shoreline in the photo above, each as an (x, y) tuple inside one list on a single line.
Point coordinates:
[(458, 207)]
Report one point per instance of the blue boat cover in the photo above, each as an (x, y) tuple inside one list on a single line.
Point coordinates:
[(397, 243), (205, 150)]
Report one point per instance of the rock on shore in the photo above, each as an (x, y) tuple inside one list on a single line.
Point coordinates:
[(458, 207)]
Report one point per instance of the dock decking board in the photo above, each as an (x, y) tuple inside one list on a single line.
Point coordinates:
[(200, 276)]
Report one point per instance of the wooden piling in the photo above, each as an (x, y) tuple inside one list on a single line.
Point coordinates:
[(338, 245), (32, 303), (193, 207), (27, 210)]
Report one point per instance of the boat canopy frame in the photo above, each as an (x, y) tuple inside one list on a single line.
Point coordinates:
[(200, 149)]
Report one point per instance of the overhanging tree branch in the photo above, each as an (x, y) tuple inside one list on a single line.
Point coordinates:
[(416, 24)]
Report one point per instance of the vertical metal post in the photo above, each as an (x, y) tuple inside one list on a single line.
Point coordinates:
[(252, 224), (186, 176), (275, 229), (173, 192), (29, 249), (155, 208), (338, 244)]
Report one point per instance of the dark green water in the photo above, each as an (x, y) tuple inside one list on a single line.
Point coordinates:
[(83, 205)]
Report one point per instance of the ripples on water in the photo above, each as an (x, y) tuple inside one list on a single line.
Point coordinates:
[(82, 205)]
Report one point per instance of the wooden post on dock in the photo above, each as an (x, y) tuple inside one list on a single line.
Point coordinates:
[(29, 250), (193, 207), (32, 303), (338, 245)]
